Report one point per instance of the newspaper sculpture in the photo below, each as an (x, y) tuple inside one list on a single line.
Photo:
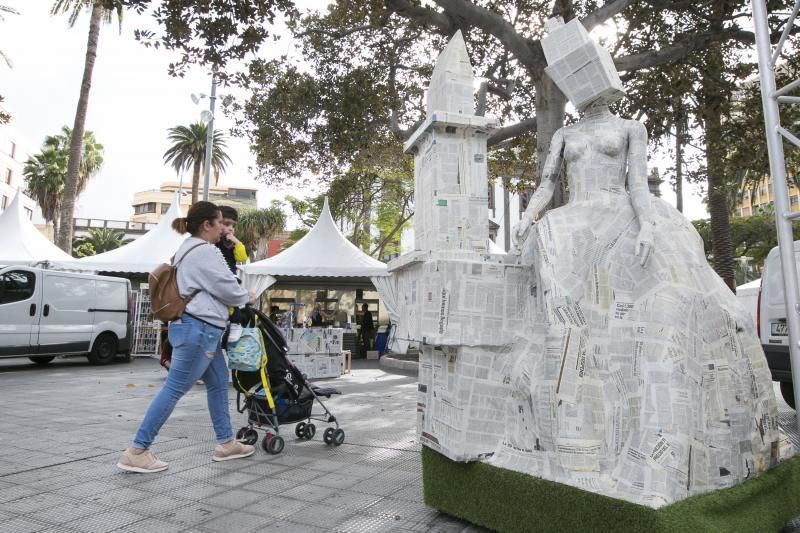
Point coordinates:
[(624, 364), (454, 297), (316, 352)]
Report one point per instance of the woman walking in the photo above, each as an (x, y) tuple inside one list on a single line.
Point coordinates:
[(195, 340)]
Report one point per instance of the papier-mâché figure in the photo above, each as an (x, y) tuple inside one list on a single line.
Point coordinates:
[(640, 376)]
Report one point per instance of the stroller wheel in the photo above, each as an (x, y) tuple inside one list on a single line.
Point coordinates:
[(241, 433), (300, 430), (327, 437), (309, 431), (272, 444), (250, 436), (338, 437)]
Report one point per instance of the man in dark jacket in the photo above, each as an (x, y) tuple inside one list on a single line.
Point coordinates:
[(367, 329)]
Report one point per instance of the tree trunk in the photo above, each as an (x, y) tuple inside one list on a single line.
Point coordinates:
[(679, 141), (196, 181), (713, 100), (550, 106), (64, 239)]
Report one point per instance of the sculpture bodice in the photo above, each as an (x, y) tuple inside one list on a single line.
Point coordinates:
[(595, 151)]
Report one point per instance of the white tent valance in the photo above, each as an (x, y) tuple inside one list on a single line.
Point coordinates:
[(20, 242), (323, 252), (140, 256)]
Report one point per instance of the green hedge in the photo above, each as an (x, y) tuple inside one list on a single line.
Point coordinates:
[(505, 500)]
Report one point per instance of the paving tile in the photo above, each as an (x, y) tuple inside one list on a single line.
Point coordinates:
[(193, 514), (309, 493), (336, 480), (277, 507), (118, 497), (105, 521), (396, 509), (235, 478), (234, 498), (15, 492), (34, 502), (66, 512), (346, 499), (361, 523), (319, 515), (152, 525), (238, 521), (22, 524)]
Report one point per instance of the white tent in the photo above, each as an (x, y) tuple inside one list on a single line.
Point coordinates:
[(747, 295), (140, 256), (323, 252), (22, 243)]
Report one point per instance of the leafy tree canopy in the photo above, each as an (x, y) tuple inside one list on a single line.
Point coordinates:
[(211, 33), (365, 66)]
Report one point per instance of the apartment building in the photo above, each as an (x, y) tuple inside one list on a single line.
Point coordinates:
[(148, 206)]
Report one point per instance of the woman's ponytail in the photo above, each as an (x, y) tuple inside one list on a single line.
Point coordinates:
[(179, 225), (193, 221)]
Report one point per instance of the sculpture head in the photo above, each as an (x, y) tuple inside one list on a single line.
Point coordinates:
[(581, 68)]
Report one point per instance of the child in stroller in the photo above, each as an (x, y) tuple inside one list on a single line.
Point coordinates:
[(279, 394)]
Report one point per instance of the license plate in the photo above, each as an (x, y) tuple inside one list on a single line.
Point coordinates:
[(779, 328)]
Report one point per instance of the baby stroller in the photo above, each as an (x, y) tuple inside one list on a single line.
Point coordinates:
[(279, 394)]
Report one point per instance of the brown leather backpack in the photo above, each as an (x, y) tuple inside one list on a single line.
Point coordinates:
[(165, 298)]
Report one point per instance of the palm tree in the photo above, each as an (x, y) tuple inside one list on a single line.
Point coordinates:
[(45, 172), (101, 11), (102, 240), (188, 151), (257, 226), (44, 178)]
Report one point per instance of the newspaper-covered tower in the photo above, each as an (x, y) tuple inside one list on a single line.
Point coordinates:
[(450, 185), (454, 298)]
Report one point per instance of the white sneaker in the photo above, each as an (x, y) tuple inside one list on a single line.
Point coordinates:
[(234, 333)]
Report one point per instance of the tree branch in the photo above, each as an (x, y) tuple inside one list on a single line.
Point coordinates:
[(528, 52), (423, 15), (609, 10), (692, 43), (339, 34), (523, 126)]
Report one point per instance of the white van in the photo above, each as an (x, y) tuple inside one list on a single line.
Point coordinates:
[(47, 313), (771, 322)]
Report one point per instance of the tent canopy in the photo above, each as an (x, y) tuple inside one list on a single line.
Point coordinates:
[(323, 252), (140, 256), (22, 243)]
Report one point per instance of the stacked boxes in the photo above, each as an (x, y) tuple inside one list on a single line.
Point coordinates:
[(316, 352)]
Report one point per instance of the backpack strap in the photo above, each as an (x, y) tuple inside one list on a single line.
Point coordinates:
[(172, 260), (174, 264)]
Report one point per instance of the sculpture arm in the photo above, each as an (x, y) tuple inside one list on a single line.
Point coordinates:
[(544, 193), (639, 191)]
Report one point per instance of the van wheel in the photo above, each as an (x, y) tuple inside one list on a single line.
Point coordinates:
[(104, 349), (787, 391), (42, 360)]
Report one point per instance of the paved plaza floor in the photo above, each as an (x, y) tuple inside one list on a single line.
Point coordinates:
[(63, 427)]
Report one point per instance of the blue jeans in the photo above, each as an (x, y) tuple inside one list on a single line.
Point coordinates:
[(196, 353)]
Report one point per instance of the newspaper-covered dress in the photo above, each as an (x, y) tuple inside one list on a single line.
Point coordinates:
[(642, 383)]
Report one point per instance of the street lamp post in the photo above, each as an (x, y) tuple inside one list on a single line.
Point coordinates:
[(209, 137)]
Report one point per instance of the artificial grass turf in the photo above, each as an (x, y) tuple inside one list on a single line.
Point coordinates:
[(504, 500)]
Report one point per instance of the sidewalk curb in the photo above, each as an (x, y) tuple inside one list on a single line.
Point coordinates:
[(399, 366)]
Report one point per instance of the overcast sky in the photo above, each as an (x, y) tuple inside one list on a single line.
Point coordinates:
[(132, 104)]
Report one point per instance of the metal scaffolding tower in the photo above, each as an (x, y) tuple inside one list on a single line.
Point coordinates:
[(771, 97)]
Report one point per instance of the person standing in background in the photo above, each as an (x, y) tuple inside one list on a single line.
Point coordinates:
[(367, 329)]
